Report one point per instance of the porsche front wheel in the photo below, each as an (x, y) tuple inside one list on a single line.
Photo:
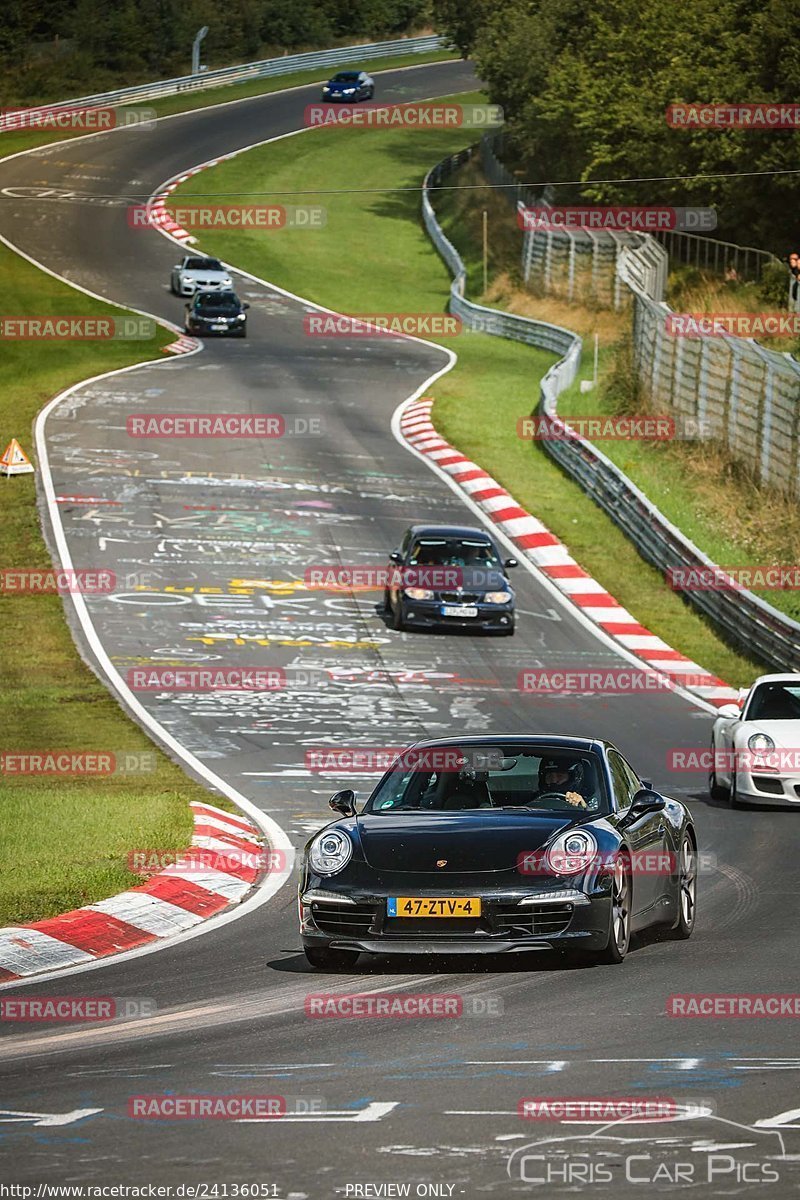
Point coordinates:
[(619, 938)]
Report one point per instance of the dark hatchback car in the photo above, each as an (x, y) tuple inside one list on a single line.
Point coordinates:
[(220, 313), (449, 576), (349, 86), (486, 846)]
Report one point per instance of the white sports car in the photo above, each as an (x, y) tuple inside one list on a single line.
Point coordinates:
[(195, 273), (755, 745)]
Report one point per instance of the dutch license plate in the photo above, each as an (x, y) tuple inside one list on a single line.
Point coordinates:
[(450, 906), (459, 610)]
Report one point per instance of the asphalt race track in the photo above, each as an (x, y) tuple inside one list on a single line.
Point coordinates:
[(207, 531)]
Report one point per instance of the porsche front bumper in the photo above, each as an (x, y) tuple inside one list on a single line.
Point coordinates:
[(561, 918)]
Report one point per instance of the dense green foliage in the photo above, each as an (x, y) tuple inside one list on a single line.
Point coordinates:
[(51, 48), (585, 85)]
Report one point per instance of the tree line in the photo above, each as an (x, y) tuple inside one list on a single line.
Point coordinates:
[(585, 85), (53, 48)]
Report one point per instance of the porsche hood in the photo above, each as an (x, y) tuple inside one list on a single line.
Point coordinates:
[(463, 842)]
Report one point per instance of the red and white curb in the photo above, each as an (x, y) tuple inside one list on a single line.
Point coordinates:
[(553, 559), (168, 903), (182, 345), (159, 216)]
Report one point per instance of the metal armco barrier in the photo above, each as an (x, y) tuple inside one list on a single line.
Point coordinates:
[(752, 623), (491, 320), (238, 74)]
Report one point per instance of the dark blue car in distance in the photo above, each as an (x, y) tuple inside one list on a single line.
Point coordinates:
[(349, 86), (449, 576)]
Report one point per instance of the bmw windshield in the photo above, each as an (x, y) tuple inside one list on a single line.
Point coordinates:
[(522, 778)]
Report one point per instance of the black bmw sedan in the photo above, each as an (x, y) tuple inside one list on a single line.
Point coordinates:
[(449, 576), (509, 844), (220, 313)]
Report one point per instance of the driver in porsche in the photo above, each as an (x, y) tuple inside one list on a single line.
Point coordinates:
[(564, 776)]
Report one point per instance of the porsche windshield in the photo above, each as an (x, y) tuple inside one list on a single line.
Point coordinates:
[(529, 779), (775, 702)]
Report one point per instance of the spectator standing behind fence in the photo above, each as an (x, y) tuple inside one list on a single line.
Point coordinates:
[(794, 267)]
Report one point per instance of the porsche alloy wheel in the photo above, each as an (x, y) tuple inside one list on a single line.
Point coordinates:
[(620, 932), (687, 889)]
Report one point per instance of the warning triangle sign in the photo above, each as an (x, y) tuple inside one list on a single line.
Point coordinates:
[(15, 461)]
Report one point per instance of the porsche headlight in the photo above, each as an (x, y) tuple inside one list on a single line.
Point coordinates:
[(571, 853), (761, 742), (419, 593), (497, 597), (330, 852)]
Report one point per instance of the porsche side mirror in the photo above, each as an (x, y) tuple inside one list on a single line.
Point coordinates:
[(395, 557), (511, 562), (344, 803), (177, 267), (729, 710), (645, 801)]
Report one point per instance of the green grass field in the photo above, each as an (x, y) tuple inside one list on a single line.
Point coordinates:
[(63, 842), (494, 382)]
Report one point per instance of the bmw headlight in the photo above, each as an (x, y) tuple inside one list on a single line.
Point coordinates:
[(760, 742), (571, 853), (497, 597), (419, 594), (330, 852)]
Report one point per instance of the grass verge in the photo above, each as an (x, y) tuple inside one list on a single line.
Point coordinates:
[(63, 841), (494, 383)]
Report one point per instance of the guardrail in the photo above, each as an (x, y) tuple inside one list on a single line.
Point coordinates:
[(492, 320), (747, 620), (753, 624), (237, 74)]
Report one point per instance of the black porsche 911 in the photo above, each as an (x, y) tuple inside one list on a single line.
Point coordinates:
[(509, 844)]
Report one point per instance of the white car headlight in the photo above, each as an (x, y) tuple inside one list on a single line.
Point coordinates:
[(571, 853), (497, 597), (330, 852), (761, 742), (419, 593)]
